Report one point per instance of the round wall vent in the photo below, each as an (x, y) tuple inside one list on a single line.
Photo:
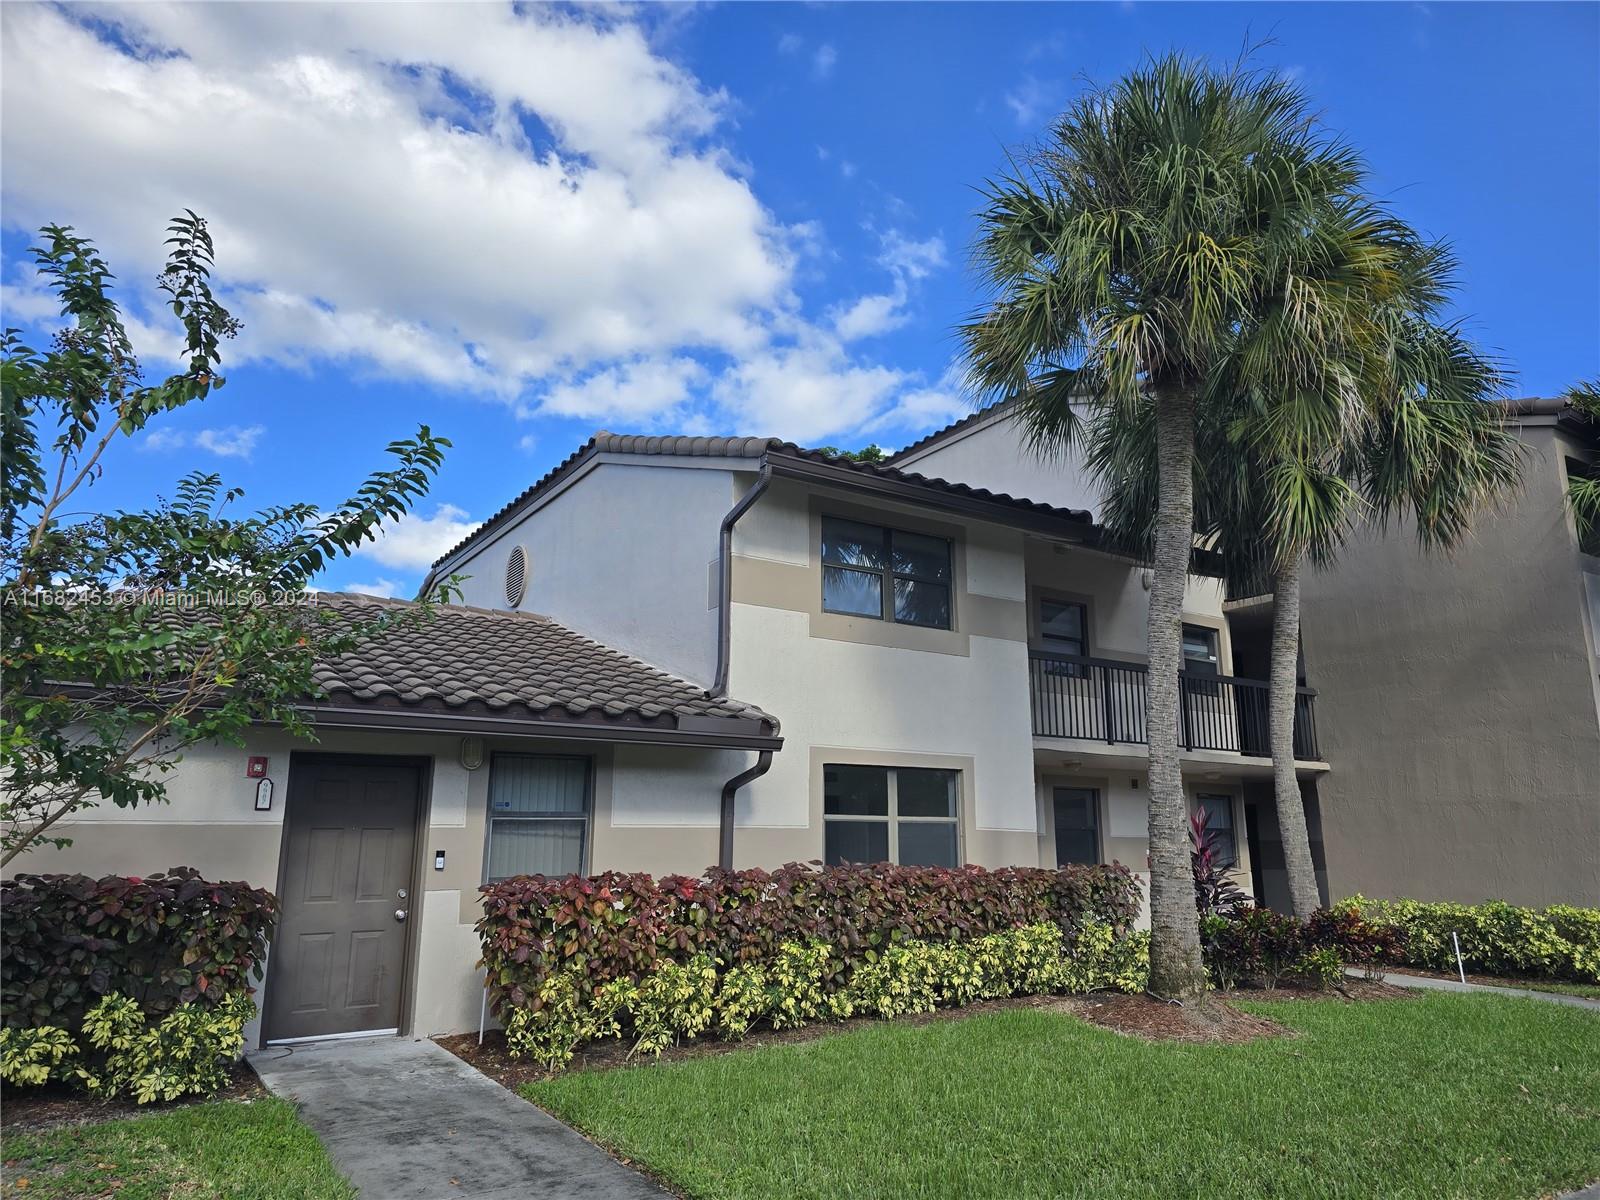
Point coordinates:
[(516, 576)]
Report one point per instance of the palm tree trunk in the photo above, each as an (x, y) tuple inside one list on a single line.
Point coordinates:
[(1176, 970), (1282, 690)]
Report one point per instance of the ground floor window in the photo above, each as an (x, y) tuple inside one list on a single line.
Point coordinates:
[(538, 815), (1077, 816), (904, 815), (1219, 811)]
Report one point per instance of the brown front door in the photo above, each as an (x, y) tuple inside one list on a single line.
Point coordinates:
[(338, 957)]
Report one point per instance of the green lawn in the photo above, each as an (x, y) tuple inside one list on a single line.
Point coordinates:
[(1440, 1096), (227, 1151)]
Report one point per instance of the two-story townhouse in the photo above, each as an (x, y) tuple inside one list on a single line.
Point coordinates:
[(925, 672)]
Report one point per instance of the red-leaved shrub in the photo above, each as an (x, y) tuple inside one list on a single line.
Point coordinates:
[(164, 940), (616, 925)]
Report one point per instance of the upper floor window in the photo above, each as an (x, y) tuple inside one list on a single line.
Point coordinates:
[(1064, 626), (1588, 532), (1200, 651), (885, 574), (904, 815), (538, 815)]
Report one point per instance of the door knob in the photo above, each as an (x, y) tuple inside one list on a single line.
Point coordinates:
[(399, 914)]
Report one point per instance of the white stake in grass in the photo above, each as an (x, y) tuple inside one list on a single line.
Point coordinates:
[(1460, 966)]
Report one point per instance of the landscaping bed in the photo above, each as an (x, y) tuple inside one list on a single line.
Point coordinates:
[(1433, 1096), (220, 1150), (57, 1104)]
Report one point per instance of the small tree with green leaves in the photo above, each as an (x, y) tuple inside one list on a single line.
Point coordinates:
[(130, 636)]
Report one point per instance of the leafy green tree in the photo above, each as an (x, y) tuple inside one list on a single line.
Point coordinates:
[(870, 453), (131, 635), (1163, 250)]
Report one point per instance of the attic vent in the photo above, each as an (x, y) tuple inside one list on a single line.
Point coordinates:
[(516, 576)]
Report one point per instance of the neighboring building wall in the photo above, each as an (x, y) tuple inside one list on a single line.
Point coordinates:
[(622, 553), (1457, 702), (990, 453)]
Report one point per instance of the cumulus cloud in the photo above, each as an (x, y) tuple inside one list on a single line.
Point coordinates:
[(412, 542), (525, 202), (1032, 100), (233, 441), (908, 261)]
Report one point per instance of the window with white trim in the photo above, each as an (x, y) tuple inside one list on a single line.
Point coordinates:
[(904, 815), (885, 574), (538, 815)]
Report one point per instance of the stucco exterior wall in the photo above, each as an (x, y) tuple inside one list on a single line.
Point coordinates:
[(1457, 704), (621, 554), (653, 809), (856, 690), (991, 454)]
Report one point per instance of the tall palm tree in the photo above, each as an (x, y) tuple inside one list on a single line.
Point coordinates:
[(1417, 431), (1130, 257)]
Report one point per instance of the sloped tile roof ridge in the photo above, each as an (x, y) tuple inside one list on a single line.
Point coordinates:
[(938, 435)]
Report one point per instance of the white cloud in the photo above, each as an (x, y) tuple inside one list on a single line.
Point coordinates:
[(413, 542), (650, 391), (908, 261), (1032, 99), (460, 192), (921, 408), (385, 587), (790, 43), (530, 203), (233, 441)]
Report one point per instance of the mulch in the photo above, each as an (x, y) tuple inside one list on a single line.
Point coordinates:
[(57, 1106), (1155, 1020)]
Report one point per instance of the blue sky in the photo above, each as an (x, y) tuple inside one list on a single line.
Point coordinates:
[(522, 225)]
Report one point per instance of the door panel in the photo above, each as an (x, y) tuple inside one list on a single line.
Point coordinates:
[(337, 963), (1077, 816)]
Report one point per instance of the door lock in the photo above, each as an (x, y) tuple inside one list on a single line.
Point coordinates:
[(400, 895), (399, 914)]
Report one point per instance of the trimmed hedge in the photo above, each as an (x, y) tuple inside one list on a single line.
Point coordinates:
[(686, 1000), (619, 926), (1558, 942), (68, 941), (128, 986)]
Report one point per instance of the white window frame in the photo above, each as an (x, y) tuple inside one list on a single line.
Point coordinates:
[(893, 816)]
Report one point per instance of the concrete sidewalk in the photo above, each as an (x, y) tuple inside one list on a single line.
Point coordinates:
[(408, 1120), (1429, 983)]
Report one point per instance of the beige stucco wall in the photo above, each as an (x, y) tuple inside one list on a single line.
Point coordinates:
[(1457, 704)]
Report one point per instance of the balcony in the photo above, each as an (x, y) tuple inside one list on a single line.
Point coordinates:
[(1102, 700)]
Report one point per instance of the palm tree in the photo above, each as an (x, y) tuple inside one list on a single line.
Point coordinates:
[(1131, 258), (1583, 491), (1414, 427)]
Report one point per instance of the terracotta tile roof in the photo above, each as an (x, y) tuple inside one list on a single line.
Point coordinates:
[(756, 448), (489, 662)]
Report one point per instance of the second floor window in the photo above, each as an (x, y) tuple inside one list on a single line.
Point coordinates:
[(885, 574)]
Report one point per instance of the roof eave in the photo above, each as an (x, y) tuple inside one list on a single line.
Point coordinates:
[(727, 733)]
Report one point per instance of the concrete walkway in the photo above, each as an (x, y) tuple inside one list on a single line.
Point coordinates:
[(408, 1120), (1429, 983)]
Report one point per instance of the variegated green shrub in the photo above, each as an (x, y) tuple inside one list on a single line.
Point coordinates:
[(29, 1057), (802, 985), (1558, 942)]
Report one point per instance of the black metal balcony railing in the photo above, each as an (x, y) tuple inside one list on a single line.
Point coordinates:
[(1102, 700)]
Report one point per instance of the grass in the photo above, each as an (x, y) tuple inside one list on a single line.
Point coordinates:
[(238, 1151), (1439, 1096)]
